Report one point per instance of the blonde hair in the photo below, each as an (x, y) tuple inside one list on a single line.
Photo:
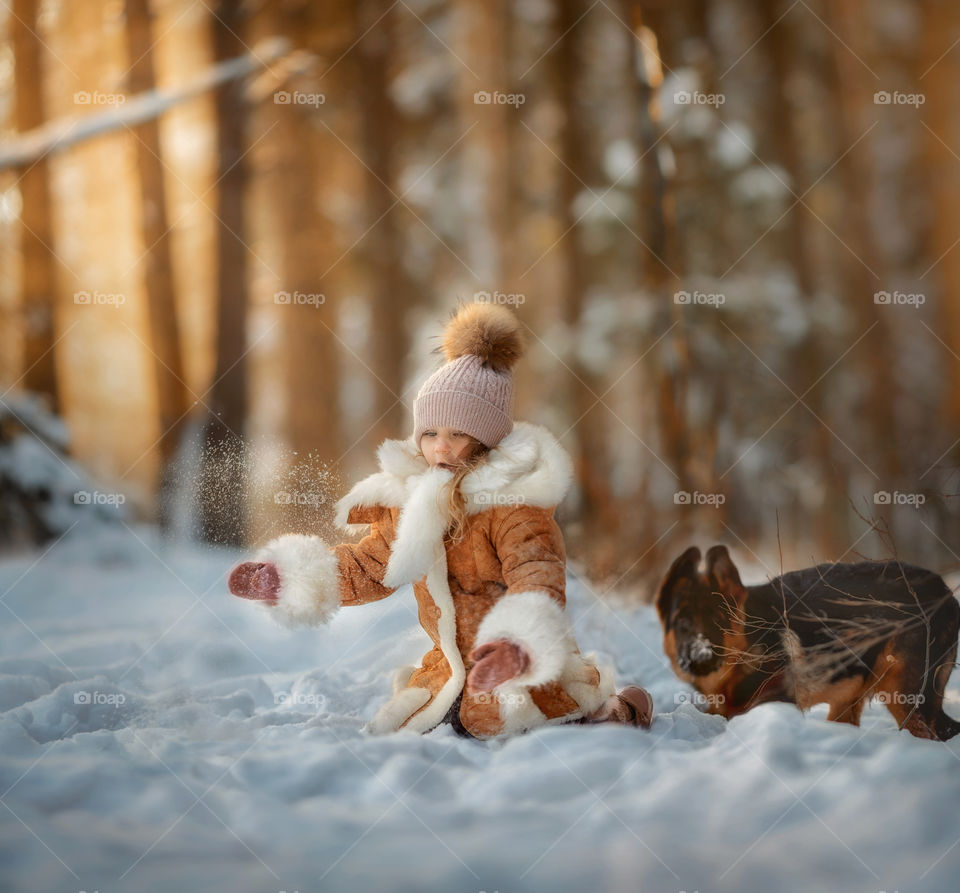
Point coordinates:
[(456, 502)]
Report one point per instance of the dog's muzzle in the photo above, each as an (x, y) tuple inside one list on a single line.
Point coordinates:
[(695, 655)]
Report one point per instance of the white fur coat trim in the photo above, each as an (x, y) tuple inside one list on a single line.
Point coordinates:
[(392, 714), (520, 714), (420, 529), (536, 621), (309, 580), (527, 467), (434, 712), (407, 701)]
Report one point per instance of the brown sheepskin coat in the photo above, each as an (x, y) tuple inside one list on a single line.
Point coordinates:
[(504, 579)]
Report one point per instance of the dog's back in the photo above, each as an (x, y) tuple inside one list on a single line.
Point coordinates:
[(848, 588), (835, 633), (849, 611), (849, 632)]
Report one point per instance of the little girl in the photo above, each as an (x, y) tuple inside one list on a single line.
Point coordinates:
[(464, 511)]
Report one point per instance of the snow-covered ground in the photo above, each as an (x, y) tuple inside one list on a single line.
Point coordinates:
[(157, 735)]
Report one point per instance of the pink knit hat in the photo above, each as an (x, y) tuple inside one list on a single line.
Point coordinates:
[(473, 391)]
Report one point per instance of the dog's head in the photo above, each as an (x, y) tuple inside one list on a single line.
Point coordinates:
[(695, 608)]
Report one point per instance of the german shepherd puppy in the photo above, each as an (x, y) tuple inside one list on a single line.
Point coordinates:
[(835, 633)]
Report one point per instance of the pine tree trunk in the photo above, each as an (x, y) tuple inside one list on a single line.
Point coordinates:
[(39, 261), (482, 29), (221, 515), (157, 264), (671, 379), (855, 88), (783, 47), (392, 291), (592, 425), (938, 80)]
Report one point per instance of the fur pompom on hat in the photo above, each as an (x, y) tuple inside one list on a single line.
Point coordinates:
[(473, 391)]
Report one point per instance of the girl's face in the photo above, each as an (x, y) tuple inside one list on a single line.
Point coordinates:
[(446, 447)]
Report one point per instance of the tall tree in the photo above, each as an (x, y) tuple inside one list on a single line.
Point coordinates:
[(657, 263), (306, 154), (939, 72), (483, 35), (940, 62), (36, 240), (392, 290), (789, 53), (866, 270), (592, 424), (668, 229), (157, 267), (305, 165), (220, 497)]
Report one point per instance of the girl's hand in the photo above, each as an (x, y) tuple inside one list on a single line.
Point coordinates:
[(496, 662), (258, 580)]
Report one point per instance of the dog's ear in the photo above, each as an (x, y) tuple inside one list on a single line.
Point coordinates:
[(683, 568), (722, 570), (686, 565)]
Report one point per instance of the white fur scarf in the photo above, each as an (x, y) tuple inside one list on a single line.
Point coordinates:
[(424, 520)]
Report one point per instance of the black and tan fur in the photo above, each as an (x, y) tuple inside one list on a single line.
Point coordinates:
[(835, 633)]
